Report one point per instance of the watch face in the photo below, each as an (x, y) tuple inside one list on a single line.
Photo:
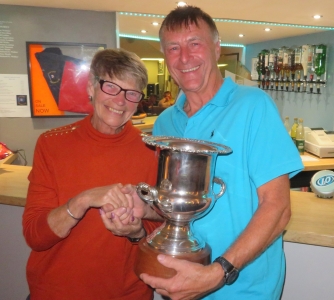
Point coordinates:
[(231, 277)]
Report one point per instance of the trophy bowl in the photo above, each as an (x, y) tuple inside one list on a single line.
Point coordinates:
[(184, 193)]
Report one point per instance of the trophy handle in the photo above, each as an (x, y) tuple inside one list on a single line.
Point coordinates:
[(222, 184), (150, 193)]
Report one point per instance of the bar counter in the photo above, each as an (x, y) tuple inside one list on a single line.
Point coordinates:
[(312, 220)]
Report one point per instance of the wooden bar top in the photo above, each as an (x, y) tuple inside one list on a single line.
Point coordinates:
[(146, 123), (312, 220), (315, 163)]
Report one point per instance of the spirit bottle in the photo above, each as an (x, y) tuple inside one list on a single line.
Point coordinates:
[(297, 65), (280, 65), (310, 65), (258, 69), (320, 63), (293, 131), (271, 65), (304, 62), (287, 66), (300, 137), (277, 68), (265, 68)]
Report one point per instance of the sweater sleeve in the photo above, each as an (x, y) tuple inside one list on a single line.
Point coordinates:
[(41, 199)]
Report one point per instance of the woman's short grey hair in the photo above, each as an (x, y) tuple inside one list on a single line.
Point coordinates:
[(120, 64)]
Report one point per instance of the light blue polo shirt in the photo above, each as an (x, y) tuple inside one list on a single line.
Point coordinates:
[(246, 120)]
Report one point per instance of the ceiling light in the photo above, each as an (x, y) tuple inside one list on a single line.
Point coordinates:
[(143, 31), (267, 29), (181, 4), (155, 23), (241, 35), (317, 16)]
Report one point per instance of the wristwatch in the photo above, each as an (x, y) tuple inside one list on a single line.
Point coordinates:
[(136, 240), (231, 273)]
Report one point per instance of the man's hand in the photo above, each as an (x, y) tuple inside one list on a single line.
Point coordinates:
[(192, 280)]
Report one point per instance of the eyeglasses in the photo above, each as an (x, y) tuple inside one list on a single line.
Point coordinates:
[(114, 89)]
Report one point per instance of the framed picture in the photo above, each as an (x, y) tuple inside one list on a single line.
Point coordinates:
[(161, 67), (58, 76)]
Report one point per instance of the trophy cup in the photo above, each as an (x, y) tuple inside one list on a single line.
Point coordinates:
[(184, 193)]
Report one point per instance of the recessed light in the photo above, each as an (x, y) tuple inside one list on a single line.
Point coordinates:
[(155, 23), (143, 31), (267, 29), (241, 35), (317, 17), (181, 4)]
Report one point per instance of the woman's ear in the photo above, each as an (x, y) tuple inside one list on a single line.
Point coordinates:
[(90, 88)]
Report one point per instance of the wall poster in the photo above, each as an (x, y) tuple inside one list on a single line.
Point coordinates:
[(58, 76)]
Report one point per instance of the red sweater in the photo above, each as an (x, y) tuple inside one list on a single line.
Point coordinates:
[(91, 263)]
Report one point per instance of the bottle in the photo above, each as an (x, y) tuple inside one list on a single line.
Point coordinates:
[(298, 65), (271, 65), (287, 124), (258, 69), (304, 62), (310, 65), (293, 131), (300, 137), (320, 63), (287, 66), (265, 69), (281, 51)]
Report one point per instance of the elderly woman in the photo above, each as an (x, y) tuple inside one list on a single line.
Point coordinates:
[(79, 220)]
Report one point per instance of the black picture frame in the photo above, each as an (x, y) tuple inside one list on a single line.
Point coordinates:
[(58, 75)]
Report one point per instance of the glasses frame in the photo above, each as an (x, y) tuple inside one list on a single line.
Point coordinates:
[(102, 81)]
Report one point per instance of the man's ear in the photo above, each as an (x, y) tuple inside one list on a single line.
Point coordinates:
[(218, 50)]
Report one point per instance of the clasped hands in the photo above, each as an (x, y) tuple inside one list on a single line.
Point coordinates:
[(123, 210)]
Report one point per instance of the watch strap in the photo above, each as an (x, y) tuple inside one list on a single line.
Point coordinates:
[(231, 272)]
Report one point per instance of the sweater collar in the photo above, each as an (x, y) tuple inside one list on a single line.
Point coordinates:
[(128, 133)]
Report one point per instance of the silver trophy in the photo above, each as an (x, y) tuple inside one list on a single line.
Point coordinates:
[(184, 193)]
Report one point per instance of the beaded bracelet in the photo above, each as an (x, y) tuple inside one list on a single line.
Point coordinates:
[(69, 212)]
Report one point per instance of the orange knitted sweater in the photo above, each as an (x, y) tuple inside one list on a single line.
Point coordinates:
[(91, 263)]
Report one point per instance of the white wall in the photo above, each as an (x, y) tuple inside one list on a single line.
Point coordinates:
[(13, 254), (310, 272)]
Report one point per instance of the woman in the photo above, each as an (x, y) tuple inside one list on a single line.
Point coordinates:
[(75, 198)]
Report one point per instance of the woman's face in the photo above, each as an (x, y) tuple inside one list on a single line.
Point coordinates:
[(111, 112)]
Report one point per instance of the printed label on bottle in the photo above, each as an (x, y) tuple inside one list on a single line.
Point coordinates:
[(318, 50), (271, 58), (297, 58), (300, 145)]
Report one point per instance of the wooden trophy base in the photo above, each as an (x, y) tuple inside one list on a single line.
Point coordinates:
[(146, 261)]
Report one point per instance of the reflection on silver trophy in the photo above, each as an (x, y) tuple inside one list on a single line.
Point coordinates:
[(184, 193)]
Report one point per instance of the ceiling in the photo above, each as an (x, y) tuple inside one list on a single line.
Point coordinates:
[(283, 12)]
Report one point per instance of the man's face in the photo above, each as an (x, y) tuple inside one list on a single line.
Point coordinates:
[(191, 56)]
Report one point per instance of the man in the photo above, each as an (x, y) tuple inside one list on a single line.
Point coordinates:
[(167, 100), (244, 229)]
